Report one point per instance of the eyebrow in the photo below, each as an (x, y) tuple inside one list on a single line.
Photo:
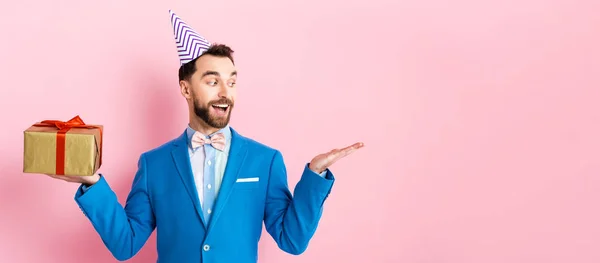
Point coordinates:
[(214, 73)]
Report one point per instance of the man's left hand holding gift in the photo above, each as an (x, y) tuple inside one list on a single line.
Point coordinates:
[(85, 180)]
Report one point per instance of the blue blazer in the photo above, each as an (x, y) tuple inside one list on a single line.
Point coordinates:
[(163, 196)]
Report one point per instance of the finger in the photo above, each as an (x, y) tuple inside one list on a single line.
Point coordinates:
[(54, 176), (332, 158), (348, 152), (336, 154), (61, 177), (345, 152), (357, 145), (332, 154), (352, 147), (348, 149)]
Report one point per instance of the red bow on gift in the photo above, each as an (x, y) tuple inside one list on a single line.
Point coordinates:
[(63, 128)]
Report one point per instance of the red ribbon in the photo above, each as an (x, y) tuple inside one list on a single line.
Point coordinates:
[(63, 128)]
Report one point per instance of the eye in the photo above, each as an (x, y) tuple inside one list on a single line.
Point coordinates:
[(212, 83), (231, 84)]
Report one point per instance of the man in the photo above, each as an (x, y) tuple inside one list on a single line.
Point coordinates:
[(209, 191)]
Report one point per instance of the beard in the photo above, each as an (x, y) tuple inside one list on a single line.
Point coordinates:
[(213, 120)]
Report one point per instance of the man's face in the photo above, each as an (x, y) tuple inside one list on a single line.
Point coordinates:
[(212, 90)]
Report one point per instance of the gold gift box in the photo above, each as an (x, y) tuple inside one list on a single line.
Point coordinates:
[(79, 151)]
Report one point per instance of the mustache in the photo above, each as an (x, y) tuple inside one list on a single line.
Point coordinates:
[(221, 101)]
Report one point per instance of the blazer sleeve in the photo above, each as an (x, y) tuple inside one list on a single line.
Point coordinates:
[(124, 230), (292, 220)]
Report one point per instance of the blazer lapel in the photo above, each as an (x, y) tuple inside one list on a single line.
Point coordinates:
[(237, 154), (182, 162)]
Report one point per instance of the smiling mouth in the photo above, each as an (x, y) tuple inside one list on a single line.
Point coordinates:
[(221, 107)]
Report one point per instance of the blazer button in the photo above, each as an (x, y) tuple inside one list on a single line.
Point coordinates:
[(206, 247)]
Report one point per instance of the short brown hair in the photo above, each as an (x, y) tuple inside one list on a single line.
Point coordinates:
[(219, 50)]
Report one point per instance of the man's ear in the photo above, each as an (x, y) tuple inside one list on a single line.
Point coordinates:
[(185, 89)]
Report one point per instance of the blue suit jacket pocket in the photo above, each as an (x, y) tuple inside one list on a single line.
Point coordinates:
[(247, 183)]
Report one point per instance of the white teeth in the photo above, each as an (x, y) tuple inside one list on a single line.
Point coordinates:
[(221, 105)]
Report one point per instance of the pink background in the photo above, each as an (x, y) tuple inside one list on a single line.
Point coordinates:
[(481, 119)]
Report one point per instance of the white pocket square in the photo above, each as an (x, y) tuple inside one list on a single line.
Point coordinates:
[(245, 180)]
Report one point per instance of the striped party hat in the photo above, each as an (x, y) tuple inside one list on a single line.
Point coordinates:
[(190, 44)]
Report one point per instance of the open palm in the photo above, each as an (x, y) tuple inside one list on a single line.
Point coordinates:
[(323, 161)]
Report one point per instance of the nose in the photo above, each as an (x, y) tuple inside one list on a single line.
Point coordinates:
[(224, 91)]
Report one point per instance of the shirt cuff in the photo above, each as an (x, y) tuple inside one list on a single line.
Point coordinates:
[(322, 174)]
